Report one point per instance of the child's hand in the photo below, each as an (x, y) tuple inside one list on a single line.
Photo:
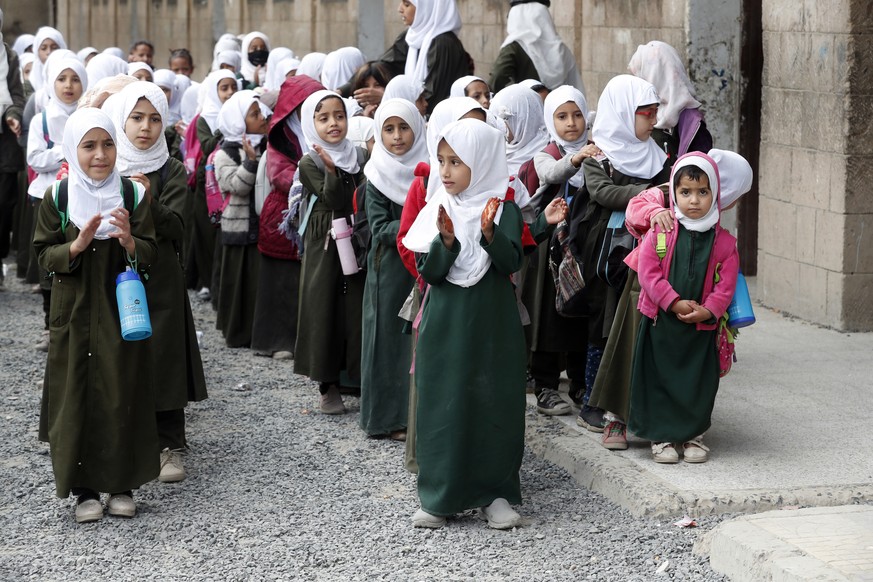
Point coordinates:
[(682, 307), (698, 314), (446, 227), (14, 126), (121, 220), (249, 150), (488, 214), (86, 235), (329, 166), (664, 219), (589, 151), (257, 77), (367, 96), (142, 179), (181, 127), (556, 211)]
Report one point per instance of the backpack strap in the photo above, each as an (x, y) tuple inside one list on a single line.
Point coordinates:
[(61, 195), (45, 131), (129, 194)]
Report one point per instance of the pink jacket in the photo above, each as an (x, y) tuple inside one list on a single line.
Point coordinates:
[(638, 218)]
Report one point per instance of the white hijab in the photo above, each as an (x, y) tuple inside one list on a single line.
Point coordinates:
[(166, 79), (554, 100), (88, 198), (131, 159), (248, 69), (459, 87), (480, 147), (284, 67), (114, 51), (232, 118), (273, 80), (432, 18), (391, 174), (344, 154), (445, 112), (22, 42), (522, 111), (735, 174), (339, 66), (658, 63), (531, 26), (23, 61), (211, 101), (85, 53), (227, 42), (140, 66), (56, 111), (613, 130), (705, 163), (229, 57), (105, 65), (311, 65), (189, 104), (37, 74), (403, 87)]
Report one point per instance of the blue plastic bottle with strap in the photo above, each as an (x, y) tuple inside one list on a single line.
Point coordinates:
[(133, 308), (740, 313)]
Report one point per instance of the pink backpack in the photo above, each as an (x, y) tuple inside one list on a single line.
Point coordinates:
[(193, 152), (216, 201)]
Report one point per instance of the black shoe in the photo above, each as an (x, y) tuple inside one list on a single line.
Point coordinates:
[(549, 402), (591, 418), (577, 394)]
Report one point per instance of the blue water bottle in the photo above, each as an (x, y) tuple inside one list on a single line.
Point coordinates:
[(740, 312), (133, 309)]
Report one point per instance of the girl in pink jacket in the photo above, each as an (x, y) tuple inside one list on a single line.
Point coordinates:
[(688, 276)]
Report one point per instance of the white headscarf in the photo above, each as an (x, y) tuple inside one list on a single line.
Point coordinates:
[(432, 18), (344, 154), (188, 107), (480, 147), (705, 163), (445, 112), (403, 87), (88, 198), (522, 111), (23, 61), (391, 174), (361, 129), (105, 65), (613, 130), (658, 63), (561, 95), (5, 96), (339, 66), (248, 69), (85, 53), (211, 101), (284, 67), (459, 87), (37, 74), (311, 65), (22, 42), (166, 79), (229, 57), (273, 79), (131, 159), (232, 118), (531, 26), (227, 42), (735, 174), (57, 112), (140, 66), (114, 51)]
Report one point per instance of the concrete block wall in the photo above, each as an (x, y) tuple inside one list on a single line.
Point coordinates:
[(816, 213)]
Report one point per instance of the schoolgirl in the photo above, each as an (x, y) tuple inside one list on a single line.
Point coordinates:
[(255, 50), (11, 157), (272, 78), (473, 87), (406, 87), (45, 42), (98, 405), (141, 71), (311, 65), (167, 81), (138, 112), (340, 66)]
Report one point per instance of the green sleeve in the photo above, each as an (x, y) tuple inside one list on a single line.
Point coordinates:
[(603, 191), (505, 248), (512, 66), (173, 141), (49, 241), (335, 190), (168, 205), (434, 266), (540, 229), (380, 215), (208, 139)]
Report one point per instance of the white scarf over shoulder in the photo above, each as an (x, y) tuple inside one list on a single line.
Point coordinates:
[(391, 174), (554, 100), (481, 147), (658, 63), (432, 18), (344, 154), (522, 111), (131, 159), (613, 130)]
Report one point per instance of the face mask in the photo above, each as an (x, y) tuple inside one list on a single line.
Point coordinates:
[(258, 58)]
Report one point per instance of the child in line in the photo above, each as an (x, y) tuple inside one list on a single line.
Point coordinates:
[(141, 71), (473, 87), (675, 365), (470, 424), (138, 112), (329, 323), (255, 51), (98, 409), (406, 87), (181, 62), (386, 355), (141, 51)]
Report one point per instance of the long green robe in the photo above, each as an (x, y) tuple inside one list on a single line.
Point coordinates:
[(512, 66), (202, 235), (329, 312), (178, 369), (675, 369), (386, 351), (98, 405), (470, 379)]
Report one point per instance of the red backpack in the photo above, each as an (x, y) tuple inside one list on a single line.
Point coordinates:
[(193, 152)]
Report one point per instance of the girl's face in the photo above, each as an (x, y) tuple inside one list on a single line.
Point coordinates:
[(371, 83), (330, 120), (96, 154), (454, 173), (68, 86), (644, 121), (693, 197), (569, 121), (181, 66), (256, 123), (226, 88), (421, 104), (47, 47), (26, 71), (407, 12), (397, 136), (257, 44), (143, 75), (144, 125), (480, 92)]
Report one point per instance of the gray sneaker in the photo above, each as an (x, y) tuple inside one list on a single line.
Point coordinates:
[(549, 402), (172, 470)]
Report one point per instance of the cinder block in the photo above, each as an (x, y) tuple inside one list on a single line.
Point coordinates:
[(564, 12), (809, 185), (835, 307), (777, 281), (594, 12), (855, 195), (775, 172), (820, 118), (857, 302), (778, 15), (777, 228), (812, 293), (829, 245), (858, 240), (806, 234), (830, 16)]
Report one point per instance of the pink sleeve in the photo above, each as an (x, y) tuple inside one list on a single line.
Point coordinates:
[(641, 209), (722, 293), (652, 278)]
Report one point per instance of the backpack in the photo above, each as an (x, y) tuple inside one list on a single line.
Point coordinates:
[(31, 173), (361, 234), (567, 270), (193, 152), (61, 195), (216, 200)]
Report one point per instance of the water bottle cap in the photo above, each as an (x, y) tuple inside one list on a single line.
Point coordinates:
[(128, 275)]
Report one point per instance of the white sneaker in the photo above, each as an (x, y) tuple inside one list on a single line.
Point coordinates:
[(172, 470), (664, 453), (121, 505), (43, 344), (421, 518), (694, 451), (89, 510), (500, 515)]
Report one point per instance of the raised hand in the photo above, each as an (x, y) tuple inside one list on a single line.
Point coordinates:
[(488, 214), (248, 149), (556, 211), (86, 235), (146, 183), (121, 220), (446, 227), (329, 166)]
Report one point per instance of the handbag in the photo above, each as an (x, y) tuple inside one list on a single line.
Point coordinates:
[(566, 270)]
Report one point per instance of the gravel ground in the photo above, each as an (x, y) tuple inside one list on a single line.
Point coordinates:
[(276, 491)]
